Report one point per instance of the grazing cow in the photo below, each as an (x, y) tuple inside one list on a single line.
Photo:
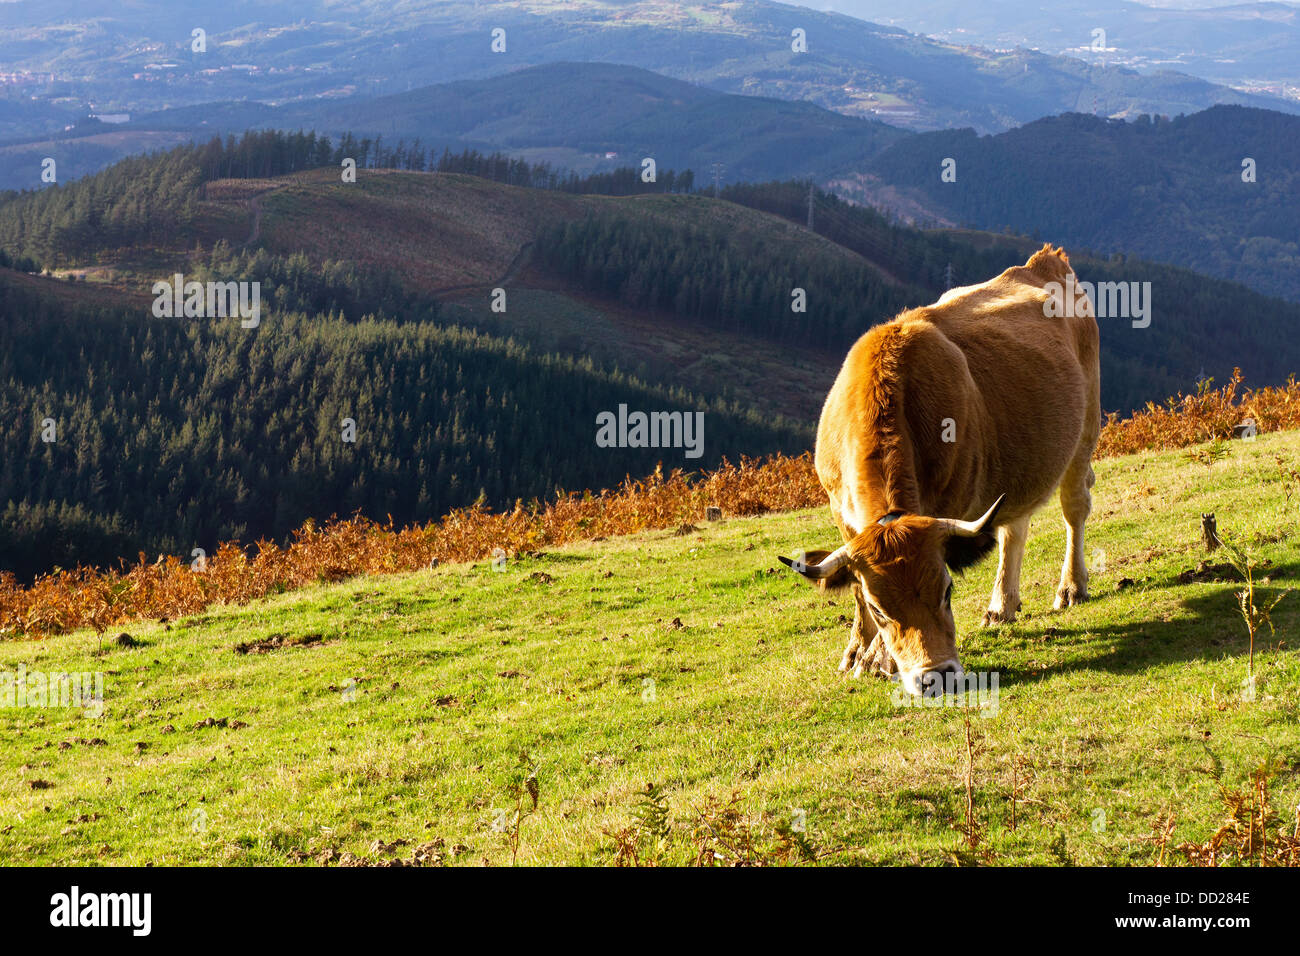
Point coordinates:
[(949, 425)]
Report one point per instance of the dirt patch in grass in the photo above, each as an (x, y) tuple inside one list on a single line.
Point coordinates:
[(278, 641), (1205, 571)]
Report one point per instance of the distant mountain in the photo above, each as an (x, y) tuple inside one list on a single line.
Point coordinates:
[(1246, 45), (576, 113), (78, 153), (139, 57), (1171, 191)]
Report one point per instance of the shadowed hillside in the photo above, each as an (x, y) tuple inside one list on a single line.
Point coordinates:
[(1167, 190)]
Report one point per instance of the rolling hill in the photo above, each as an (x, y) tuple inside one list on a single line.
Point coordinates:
[(575, 113), (379, 304), (456, 237), (1168, 190)]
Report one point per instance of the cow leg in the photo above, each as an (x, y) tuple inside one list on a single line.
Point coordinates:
[(857, 645), (1005, 601), (866, 652), (1076, 502)]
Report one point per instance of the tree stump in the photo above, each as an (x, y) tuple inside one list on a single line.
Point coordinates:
[(1209, 531)]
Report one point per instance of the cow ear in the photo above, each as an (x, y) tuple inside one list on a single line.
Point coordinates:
[(965, 542), (960, 552)]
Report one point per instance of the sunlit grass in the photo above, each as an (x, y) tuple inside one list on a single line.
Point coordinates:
[(694, 662)]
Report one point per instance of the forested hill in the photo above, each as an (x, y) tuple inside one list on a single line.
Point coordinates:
[(1167, 190), (722, 273), (1198, 325), (719, 271), (122, 432), (171, 434)]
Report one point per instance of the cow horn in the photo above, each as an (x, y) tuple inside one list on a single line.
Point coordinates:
[(969, 529), (817, 572)]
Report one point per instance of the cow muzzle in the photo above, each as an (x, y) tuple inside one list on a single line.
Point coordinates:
[(933, 681)]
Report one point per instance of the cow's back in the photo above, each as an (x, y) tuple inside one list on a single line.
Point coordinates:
[(989, 393)]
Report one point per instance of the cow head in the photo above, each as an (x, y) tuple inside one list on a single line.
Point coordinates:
[(902, 564)]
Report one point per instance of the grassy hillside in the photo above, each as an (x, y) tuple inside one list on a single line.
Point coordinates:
[(438, 231), (383, 718), (457, 237)]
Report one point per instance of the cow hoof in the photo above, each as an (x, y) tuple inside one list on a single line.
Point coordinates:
[(852, 654), (876, 660), (874, 668), (1070, 595), (993, 618)]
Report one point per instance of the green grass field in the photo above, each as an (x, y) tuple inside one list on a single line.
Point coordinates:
[(389, 723)]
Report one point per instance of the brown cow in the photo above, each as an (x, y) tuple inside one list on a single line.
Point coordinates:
[(976, 408)]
